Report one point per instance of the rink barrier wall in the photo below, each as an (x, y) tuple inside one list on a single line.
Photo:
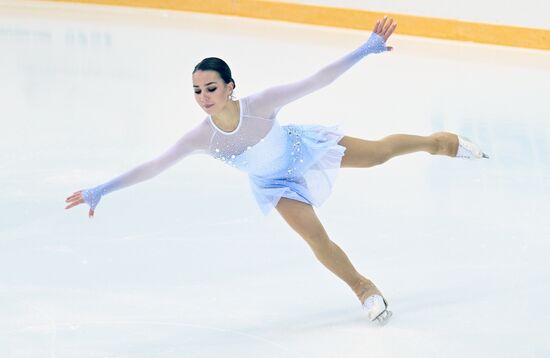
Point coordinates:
[(412, 25)]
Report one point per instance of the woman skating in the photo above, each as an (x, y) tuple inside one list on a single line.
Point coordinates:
[(292, 167)]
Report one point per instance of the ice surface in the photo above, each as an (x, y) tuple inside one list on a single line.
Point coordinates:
[(185, 265)]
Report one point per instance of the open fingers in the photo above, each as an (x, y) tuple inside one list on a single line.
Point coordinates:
[(389, 30), (381, 25), (76, 194), (75, 203), (385, 28), (72, 197), (376, 27)]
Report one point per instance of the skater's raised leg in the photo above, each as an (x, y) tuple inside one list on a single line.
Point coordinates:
[(302, 218), (361, 153)]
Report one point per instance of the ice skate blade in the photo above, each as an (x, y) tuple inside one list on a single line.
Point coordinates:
[(469, 150), (383, 318), (375, 305)]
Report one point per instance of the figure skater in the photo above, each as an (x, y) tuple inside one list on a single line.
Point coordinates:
[(290, 167)]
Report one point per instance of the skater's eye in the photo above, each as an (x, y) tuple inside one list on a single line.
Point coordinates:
[(212, 89)]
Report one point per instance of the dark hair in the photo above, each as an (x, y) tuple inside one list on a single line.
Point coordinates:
[(218, 65)]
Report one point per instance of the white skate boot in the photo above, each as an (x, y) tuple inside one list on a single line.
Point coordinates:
[(377, 309), (469, 150)]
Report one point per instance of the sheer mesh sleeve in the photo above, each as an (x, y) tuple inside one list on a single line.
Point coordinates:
[(194, 141), (272, 99)]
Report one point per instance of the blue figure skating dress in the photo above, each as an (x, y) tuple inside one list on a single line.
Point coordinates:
[(298, 162)]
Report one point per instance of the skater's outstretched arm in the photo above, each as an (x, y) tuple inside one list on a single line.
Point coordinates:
[(274, 98), (194, 141)]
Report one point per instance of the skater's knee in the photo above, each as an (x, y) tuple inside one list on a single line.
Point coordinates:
[(384, 152)]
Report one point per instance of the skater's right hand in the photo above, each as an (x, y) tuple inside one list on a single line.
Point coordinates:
[(88, 196)]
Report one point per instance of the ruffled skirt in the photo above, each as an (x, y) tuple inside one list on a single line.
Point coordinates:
[(305, 171)]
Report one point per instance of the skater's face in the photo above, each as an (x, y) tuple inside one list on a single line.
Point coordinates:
[(211, 92)]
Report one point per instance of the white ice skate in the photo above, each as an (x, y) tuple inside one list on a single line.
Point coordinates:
[(469, 150), (377, 309)]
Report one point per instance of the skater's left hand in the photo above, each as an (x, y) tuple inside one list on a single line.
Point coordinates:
[(385, 29)]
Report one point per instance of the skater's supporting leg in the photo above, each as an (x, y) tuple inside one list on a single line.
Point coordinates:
[(302, 218), (361, 153)]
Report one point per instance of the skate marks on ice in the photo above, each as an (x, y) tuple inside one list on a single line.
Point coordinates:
[(141, 338), (441, 305)]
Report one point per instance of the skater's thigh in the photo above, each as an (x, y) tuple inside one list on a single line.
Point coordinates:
[(362, 153), (302, 218)]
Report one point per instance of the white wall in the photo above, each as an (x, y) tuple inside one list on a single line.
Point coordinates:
[(526, 13)]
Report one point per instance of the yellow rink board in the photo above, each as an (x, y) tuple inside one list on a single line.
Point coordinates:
[(351, 19)]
